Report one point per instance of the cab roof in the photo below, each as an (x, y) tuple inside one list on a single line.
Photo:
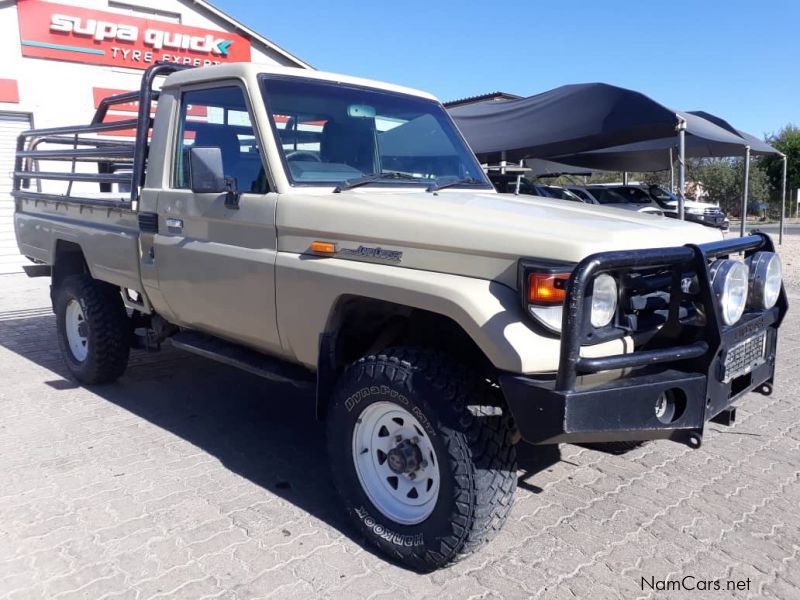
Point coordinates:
[(248, 70)]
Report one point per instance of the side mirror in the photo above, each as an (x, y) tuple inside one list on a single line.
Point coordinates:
[(206, 174)]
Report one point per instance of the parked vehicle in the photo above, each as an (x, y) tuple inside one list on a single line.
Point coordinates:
[(696, 212), (507, 184), (326, 231), (600, 194)]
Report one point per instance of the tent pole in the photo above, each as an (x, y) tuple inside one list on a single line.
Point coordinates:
[(681, 167), (783, 199), (745, 190), (671, 173), (624, 178)]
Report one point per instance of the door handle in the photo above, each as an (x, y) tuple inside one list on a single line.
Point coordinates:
[(174, 225)]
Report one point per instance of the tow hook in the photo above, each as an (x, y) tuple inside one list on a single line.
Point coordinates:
[(692, 438), (765, 389)]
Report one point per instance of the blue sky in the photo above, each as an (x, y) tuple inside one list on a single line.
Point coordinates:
[(733, 58)]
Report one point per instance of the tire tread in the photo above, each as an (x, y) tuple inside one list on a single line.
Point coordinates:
[(110, 329), (478, 441)]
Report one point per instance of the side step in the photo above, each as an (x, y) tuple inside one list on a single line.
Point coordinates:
[(243, 358)]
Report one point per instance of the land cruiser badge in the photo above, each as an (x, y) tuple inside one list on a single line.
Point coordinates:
[(379, 253)]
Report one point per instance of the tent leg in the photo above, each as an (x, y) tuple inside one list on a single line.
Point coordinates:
[(745, 190), (681, 169), (783, 200), (624, 178), (671, 173)]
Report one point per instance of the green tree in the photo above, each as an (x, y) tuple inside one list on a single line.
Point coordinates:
[(787, 140), (723, 179)]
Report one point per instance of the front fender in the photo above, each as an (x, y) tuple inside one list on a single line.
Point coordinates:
[(308, 289)]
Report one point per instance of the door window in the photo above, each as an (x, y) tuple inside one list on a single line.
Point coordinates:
[(218, 117)]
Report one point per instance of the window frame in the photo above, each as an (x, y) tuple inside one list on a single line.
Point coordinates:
[(177, 138)]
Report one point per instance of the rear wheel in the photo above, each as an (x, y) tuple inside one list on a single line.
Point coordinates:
[(93, 329), (424, 464)]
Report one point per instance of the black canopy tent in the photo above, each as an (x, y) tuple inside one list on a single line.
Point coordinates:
[(754, 146), (703, 139), (707, 136), (599, 126), (567, 120)]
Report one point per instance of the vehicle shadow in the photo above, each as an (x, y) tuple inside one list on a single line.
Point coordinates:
[(260, 430)]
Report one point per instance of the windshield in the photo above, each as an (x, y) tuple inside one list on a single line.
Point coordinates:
[(662, 196), (561, 194), (330, 133), (634, 195), (581, 194), (606, 196)]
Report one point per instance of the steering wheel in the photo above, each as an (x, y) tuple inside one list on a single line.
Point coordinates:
[(303, 156)]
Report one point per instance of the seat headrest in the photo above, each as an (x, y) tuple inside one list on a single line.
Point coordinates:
[(351, 142), (223, 138)]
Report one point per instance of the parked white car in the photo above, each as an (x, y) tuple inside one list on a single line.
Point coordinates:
[(698, 212), (658, 198), (602, 194)]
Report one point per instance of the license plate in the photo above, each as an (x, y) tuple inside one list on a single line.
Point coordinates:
[(745, 356)]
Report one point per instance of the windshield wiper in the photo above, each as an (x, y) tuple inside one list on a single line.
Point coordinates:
[(461, 180), (351, 183)]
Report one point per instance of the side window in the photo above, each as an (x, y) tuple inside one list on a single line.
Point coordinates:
[(218, 117)]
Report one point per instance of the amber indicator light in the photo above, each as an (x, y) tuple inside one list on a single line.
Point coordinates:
[(323, 247), (547, 288)]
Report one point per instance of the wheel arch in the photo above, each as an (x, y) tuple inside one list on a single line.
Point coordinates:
[(360, 325), (68, 259)]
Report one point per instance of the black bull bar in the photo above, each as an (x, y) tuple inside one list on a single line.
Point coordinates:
[(673, 382)]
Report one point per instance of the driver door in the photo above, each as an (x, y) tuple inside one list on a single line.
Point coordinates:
[(215, 264)]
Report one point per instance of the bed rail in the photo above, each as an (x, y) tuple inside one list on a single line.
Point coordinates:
[(120, 162)]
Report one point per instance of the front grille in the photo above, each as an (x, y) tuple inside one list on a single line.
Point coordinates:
[(647, 296), (744, 357), (712, 211)]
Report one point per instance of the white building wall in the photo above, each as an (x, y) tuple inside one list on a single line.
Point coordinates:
[(57, 93)]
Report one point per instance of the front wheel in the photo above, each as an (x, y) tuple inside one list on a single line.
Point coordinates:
[(93, 329), (424, 463)]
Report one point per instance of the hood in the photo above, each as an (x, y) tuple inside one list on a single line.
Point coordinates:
[(673, 204), (470, 233), (636, 207)]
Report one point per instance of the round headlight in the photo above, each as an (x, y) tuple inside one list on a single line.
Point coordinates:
[(604, 300), (729, 281), (766, 278)]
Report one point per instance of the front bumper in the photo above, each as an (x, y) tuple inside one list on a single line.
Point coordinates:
[(714, 220), (617, 398)]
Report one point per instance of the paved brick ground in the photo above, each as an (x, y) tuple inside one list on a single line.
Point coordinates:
[(188, 479)]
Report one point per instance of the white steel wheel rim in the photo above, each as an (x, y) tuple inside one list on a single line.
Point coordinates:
[(401, 497), (75, 325)]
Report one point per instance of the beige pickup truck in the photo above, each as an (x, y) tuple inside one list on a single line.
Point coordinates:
[(323, 230)]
